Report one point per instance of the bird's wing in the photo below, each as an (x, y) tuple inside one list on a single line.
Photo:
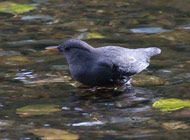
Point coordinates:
[(128, 61)]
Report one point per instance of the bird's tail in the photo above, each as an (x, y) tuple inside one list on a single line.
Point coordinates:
[(152, 51)]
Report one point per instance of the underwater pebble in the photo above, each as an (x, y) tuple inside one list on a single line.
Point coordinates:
[(37, 18)]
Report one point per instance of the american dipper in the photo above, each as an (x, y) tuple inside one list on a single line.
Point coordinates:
[(105, 66)]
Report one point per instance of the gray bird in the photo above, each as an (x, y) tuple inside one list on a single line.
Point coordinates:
[(105, 66)]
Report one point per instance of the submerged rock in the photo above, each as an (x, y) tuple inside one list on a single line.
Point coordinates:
[(175, 125), (175, 37), (15, 60), (6, 124), (54, 134), (185, 113), (60, 67), (180, 78), (9, 53), (40, 109), (147, 80)]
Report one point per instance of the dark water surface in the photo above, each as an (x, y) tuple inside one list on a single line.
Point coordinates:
[(56, 108)]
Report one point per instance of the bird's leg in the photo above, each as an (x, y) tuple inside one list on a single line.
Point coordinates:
[(128, 83)]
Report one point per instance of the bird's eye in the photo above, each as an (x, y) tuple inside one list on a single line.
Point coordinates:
[(67, 48)]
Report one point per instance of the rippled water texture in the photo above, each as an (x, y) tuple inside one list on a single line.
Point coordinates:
[(39, 99)]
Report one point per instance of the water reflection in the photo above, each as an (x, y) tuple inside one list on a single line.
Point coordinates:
[(149, 30), (186, 27), (86, 123)]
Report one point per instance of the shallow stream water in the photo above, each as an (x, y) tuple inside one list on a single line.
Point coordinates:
[(39, 99)]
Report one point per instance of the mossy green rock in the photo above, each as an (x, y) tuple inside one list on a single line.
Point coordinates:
[(54, 134), (14, 8), (171, 104)]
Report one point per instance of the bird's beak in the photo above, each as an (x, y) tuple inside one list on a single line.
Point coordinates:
[(52, 49)]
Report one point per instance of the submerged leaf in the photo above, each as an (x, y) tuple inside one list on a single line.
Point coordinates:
[(171, 104), (88, 35), (13, 8), (41, 109), (94, 35), (54, 134)]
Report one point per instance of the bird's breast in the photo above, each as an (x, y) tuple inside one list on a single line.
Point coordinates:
[(87, 75)]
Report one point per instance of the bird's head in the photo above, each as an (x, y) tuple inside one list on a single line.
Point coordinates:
[(72, 45), (74, 49)]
